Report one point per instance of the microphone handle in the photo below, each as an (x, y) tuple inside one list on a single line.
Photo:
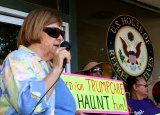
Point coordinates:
[(64, 62)]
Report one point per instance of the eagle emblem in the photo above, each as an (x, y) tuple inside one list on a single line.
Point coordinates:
[(131, 51)]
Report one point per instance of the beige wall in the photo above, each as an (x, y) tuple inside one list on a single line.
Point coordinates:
[(153, 29), (92, 31)]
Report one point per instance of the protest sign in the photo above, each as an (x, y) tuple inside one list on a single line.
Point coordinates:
[(97, 95)]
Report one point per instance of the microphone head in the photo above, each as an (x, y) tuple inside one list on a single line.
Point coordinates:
[(66, 45)]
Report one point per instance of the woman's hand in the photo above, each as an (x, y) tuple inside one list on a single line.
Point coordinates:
[(59, 56), (80, 113), (129, 109)]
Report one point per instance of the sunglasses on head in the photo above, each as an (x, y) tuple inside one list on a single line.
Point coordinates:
[(96, 69), (54, 32)]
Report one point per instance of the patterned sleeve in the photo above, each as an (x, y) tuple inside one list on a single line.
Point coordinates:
[(23, 87)]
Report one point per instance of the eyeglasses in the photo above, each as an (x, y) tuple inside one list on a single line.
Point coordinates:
[(145, 85), (96, 69), (54, 32)]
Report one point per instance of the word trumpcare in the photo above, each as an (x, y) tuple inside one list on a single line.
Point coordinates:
[(105, 87)]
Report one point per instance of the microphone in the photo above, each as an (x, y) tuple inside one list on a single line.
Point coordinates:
[(68, 47)]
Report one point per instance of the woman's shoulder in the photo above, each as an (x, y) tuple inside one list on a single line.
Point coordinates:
[(149, 101), (19, 55), (154, 110), (145, 100), (131, 99)]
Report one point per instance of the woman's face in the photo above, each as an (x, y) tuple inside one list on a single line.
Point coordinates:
[(51, 39), (142, 87), (96, 71)]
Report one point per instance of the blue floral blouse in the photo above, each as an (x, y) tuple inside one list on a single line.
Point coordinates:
[(22, 86)]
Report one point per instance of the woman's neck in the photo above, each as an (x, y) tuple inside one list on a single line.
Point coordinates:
[(137, 97), (37, 49)]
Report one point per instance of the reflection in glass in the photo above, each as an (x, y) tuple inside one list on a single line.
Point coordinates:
[(8, 38)]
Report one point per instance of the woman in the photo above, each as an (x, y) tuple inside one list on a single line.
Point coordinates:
[(138, 101), (156, 93), (94, 68), (29, 83)]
